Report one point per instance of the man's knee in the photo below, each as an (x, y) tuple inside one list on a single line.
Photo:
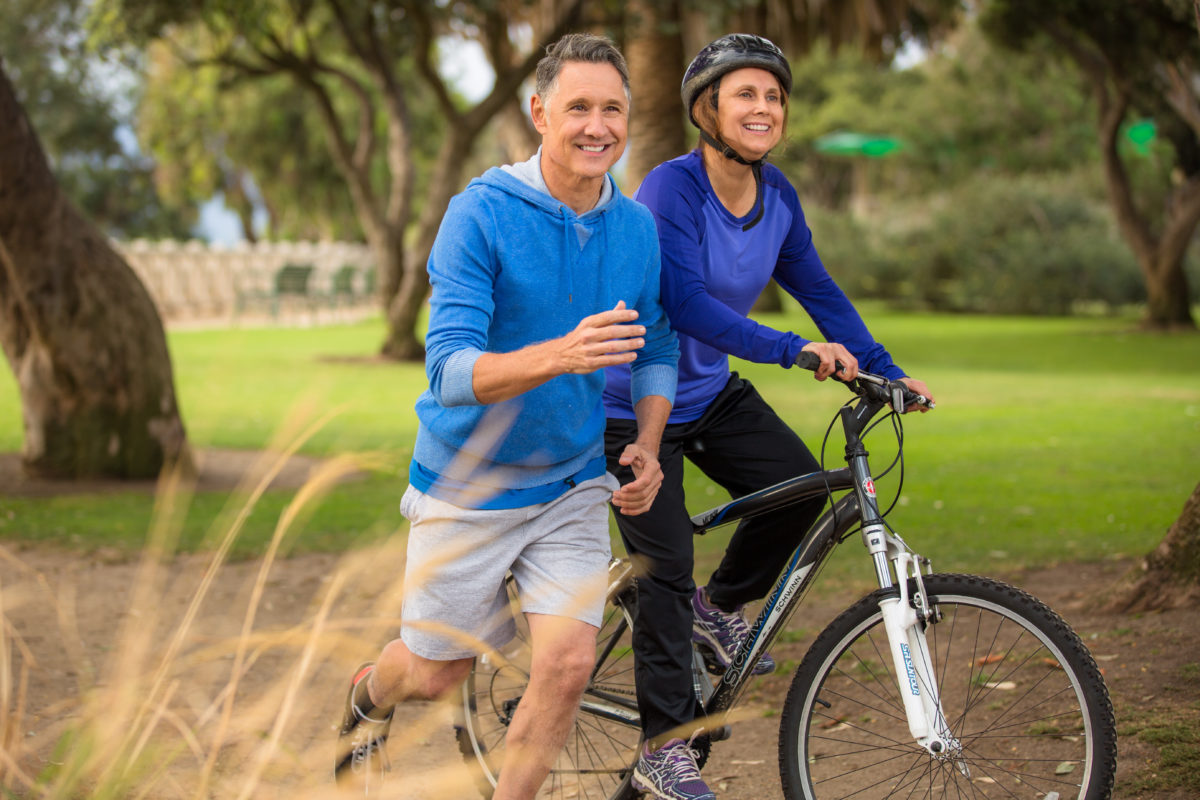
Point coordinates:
[(420, 678), (566, 658)]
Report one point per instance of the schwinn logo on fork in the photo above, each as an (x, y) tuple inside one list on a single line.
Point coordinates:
[(913, 685)]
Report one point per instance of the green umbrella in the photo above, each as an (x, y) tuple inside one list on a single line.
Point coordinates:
[(849, 143)]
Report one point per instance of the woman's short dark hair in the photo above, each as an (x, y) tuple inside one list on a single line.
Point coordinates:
[(586, 47)]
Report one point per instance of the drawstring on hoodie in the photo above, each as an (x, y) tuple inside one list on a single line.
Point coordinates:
[(567, 230)]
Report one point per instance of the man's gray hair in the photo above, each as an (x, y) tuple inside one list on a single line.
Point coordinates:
[(586, 47)]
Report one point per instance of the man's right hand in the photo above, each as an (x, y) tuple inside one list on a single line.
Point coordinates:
[(599, 341)]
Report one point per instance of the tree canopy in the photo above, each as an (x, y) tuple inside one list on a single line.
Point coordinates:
[(81, 106), (353, 62), (1143, 57)]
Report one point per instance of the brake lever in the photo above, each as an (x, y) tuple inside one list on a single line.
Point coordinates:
[(898, 404)]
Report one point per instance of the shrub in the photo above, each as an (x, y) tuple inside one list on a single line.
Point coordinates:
[(993, 244)]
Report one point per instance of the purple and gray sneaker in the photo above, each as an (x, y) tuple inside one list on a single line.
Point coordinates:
[(670, 772), (721, 633)]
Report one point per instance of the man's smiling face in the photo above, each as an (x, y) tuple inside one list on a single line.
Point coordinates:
[(583, 121)]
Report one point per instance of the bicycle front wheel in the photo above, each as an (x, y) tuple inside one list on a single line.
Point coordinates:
[(1020, 691), (603, 745)]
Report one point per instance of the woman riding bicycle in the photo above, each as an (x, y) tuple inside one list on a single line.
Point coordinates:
[(728, 222)]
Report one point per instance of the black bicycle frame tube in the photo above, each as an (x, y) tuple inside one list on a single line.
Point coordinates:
[(771, 498)]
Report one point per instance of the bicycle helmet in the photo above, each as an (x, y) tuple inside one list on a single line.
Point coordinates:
[(717, 59), (731, 52)]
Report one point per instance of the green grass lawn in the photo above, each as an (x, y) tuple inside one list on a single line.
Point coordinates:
[(1053, 438)]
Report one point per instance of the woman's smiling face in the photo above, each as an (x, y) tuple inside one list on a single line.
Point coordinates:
[(751, 111)]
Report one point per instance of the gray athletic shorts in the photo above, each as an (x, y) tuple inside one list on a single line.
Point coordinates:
[(455, 603)]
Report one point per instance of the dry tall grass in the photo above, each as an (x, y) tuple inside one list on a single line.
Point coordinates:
[(218, 680)]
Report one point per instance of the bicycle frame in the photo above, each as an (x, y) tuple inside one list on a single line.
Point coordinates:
[(905, 628)]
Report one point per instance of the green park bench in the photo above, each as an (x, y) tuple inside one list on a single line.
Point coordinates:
[(342, 290), (291, 283)]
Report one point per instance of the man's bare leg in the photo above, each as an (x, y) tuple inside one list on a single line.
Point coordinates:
[(361, 756), (401, 674), (564, 652)]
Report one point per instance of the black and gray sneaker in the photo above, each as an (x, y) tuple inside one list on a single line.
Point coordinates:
[(361, 757)]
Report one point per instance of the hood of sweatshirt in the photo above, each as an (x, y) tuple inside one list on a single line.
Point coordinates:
[(528, 174)]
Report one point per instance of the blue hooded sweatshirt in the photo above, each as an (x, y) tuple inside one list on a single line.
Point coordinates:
[(513, 266)]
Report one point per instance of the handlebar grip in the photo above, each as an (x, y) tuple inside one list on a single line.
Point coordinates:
[(811, 361), (808, 360)]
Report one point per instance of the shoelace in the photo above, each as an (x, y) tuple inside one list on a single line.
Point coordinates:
[(360, 757), (683, 767), (734, 626)]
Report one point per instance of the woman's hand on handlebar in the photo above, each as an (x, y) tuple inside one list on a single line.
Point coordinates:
[(918, 387), (832, 356)]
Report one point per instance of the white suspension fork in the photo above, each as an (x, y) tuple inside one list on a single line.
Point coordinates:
[(911, 657)]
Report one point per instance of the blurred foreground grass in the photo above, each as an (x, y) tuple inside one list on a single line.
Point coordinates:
[(1054, 439)]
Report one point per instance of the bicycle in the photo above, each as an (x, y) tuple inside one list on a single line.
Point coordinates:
[(932, 685)]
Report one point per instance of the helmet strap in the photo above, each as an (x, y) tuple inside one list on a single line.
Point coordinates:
[(755, 168)]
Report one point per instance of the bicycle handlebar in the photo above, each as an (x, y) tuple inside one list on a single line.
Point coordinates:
[(873, 387)]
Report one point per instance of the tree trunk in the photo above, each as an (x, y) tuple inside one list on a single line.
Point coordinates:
[(518, 137), (1168, 300), (654, 50), (1170, 576), (80, 331)]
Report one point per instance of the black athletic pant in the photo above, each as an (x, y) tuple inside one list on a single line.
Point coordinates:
[(742, 445)]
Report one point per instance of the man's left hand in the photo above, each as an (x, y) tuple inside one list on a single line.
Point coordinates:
[(638, 495)]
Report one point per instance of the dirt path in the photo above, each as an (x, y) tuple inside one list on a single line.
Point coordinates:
[(77, 622)]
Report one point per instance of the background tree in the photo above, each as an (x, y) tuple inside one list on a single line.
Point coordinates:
[(351, 53), (1139, 56), (1170, 576), (997, 159), (79, 330), (81, 107), (259, 143), (654, 50)]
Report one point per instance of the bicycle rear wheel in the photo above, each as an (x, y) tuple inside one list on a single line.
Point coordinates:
[(1021, 693), (599, 754)]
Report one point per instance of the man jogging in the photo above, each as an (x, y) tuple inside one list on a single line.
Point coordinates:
[(543, 274)]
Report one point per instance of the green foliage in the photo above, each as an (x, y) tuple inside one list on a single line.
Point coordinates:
[(1017, 245), (967, 109), (1136, 34), (993, 243), (1141, 43), (260, 142), (77, 102), (996, 203)]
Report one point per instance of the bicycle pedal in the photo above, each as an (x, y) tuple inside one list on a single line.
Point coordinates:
[(720, 734), (711, 663)]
